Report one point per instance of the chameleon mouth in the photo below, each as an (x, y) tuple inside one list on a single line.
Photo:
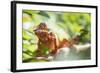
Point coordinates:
[(44, 31)]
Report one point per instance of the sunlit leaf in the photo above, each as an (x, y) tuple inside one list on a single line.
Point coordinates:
[(30, 47), (26, 18), (26, 36), (26, 56)]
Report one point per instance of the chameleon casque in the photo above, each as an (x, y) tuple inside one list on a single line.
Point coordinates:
[(50, 41)]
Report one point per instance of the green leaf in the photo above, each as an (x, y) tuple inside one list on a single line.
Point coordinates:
[(26, 18), (26, 56), (43, 13), (26, 36), (29, 47)]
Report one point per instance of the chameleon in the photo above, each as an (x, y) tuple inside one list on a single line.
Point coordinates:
[(51, 41)]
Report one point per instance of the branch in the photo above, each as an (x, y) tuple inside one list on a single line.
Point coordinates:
[(64, 52), (79, 48)]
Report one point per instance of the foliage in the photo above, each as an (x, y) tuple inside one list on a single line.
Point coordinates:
[(64, 24)]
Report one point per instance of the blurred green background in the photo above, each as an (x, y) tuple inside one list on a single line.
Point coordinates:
[(64, 24)]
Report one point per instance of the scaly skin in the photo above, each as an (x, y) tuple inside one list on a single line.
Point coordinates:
[(50, 40)]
